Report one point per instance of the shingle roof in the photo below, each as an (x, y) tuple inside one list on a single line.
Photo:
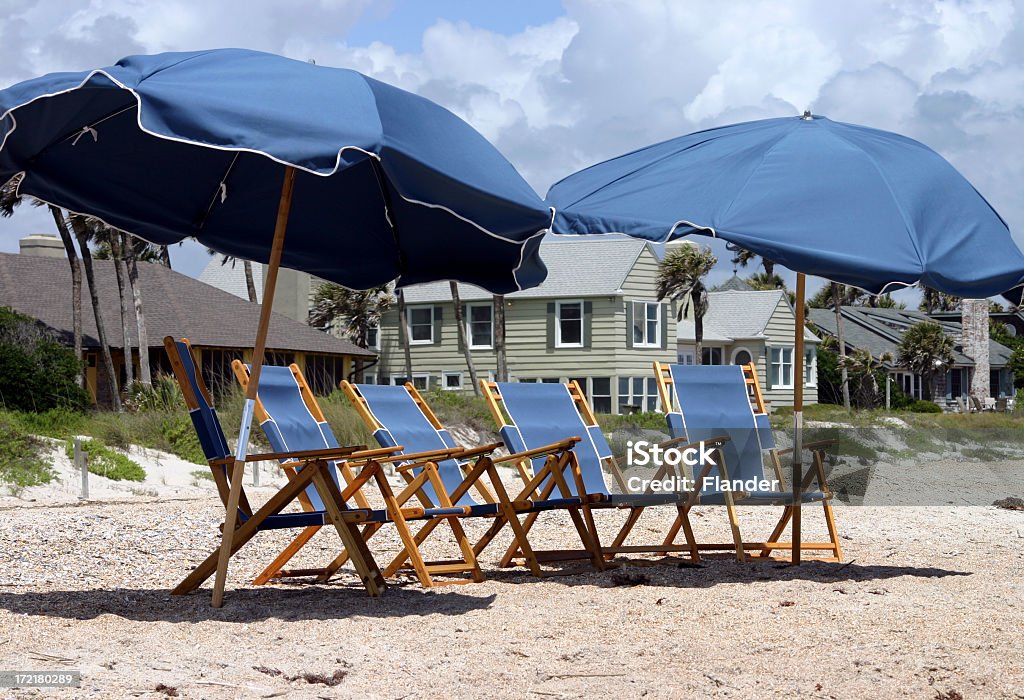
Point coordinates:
[(174, 303), (734, 284), (880, 331), (580, 267), (231, 277), (734, 315)]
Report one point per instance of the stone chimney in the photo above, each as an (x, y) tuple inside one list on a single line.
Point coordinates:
[(974, 329), (41, 245)]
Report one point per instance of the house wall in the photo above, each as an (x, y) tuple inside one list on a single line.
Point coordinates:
[(531, 352)]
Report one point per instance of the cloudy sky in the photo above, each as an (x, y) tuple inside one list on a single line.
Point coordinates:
[(559, 85)]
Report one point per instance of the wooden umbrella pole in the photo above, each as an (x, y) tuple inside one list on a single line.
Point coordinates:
[(238, 467), (798, 411)]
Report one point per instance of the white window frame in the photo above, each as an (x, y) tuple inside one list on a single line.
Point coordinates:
[(811, 367), (610, 395), (781, 364), (558, 323), (374, 330), (646, 305), (408, 323), (469, 325), (737, 350), (395, 379), (370, 377), (686, 356), (444, 381), (710, 350)]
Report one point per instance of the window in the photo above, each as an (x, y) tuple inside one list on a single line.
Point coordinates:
[(582, 381), (685, 357), (215, 364), (452, 381), (324, 373), (741, 356), (646, 324), (420, 381), (711, 356), (601, 394), (781, 368), (373, 337), (421, 325), (810, 367), (638, 394), (370, 378), (480, 326), (569, 324)]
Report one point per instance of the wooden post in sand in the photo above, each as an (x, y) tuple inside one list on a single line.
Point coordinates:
[(81, 463)]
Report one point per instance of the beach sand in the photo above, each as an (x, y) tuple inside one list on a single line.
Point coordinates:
[(929, 604)]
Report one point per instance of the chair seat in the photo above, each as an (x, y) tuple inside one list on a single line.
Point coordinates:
[(761, 498)]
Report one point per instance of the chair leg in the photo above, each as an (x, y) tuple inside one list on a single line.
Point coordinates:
[(627, 527), (286, 554), (780, 528), (833, 531), (339, 561), (734, 524)]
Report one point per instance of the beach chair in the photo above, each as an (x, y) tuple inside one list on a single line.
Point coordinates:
[(291, 418), (400, 415), (706, 400), (532, 414), (310, 473)]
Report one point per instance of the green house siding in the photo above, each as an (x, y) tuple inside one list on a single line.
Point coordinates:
[(532, 350)]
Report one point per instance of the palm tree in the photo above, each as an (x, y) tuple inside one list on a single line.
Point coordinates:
[(135, 248), (743, 257), (403, 334), (681, 277), (84, 230), (460, 325), (933, 300), (837, 309), (925, 349), (113, 239), (359, 311)]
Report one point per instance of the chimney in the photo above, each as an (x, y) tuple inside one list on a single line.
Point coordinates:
[(974, 327), (42, 245)]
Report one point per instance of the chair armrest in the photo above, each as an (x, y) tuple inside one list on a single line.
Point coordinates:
[(328, 453), (566, 444), (813, 446), (482, 450)]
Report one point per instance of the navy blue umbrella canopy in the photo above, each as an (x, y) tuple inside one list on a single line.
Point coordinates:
[(855, 205), (389, 184)]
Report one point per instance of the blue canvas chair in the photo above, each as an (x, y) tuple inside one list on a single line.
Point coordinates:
[(310, 475), (530, 414), (291, 419), (399, 415), (705, 400)]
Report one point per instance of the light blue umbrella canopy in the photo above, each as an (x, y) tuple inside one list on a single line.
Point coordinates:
[(176, 145), (855, 205)]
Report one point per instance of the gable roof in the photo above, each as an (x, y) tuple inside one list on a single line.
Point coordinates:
[(880, 330), (739, 315), (175, 304), (734, 284), (230, 276), (582, 266)]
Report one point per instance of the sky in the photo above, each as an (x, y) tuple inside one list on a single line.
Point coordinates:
[(557, 86)]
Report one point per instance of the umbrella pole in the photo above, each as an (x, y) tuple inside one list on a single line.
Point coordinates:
[(238, 467), (798, 411)]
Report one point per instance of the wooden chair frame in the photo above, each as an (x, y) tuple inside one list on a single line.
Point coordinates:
[(682, 522), (399, 513), (311, 467), (558, 459), (817, 449)]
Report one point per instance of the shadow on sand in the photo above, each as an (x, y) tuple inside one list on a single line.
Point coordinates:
[(311, 602)]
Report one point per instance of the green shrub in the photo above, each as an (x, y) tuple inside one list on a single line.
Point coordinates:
[(924, 407), (163, 395), (648, 420), (181, 438), (37, 372), (20, 462), (105, 462)]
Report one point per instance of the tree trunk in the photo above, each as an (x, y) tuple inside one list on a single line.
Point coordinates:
[(76, 289), (165, 257), (78, 225), (698, 331), (974, 341), (769, 266), (250, 283), (131, 254), (121, 273), (460, 324), (501, 357), (844, 375), (403, 334)]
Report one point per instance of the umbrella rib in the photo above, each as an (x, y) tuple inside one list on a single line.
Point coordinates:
[(389, 211), (221, 192)]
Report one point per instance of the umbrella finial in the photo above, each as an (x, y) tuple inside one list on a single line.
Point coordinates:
[(807, 115)]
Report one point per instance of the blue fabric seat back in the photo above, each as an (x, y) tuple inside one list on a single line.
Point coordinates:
[(290, 426), (204, 417), (713, 401), (406, 425), (544, 414)]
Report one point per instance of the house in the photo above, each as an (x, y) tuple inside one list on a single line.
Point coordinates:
[(596, 319), (743, 325), (221, 326), (879, 331)]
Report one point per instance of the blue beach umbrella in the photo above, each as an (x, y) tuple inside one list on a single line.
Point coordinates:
[(859, 206), (235, 148)]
